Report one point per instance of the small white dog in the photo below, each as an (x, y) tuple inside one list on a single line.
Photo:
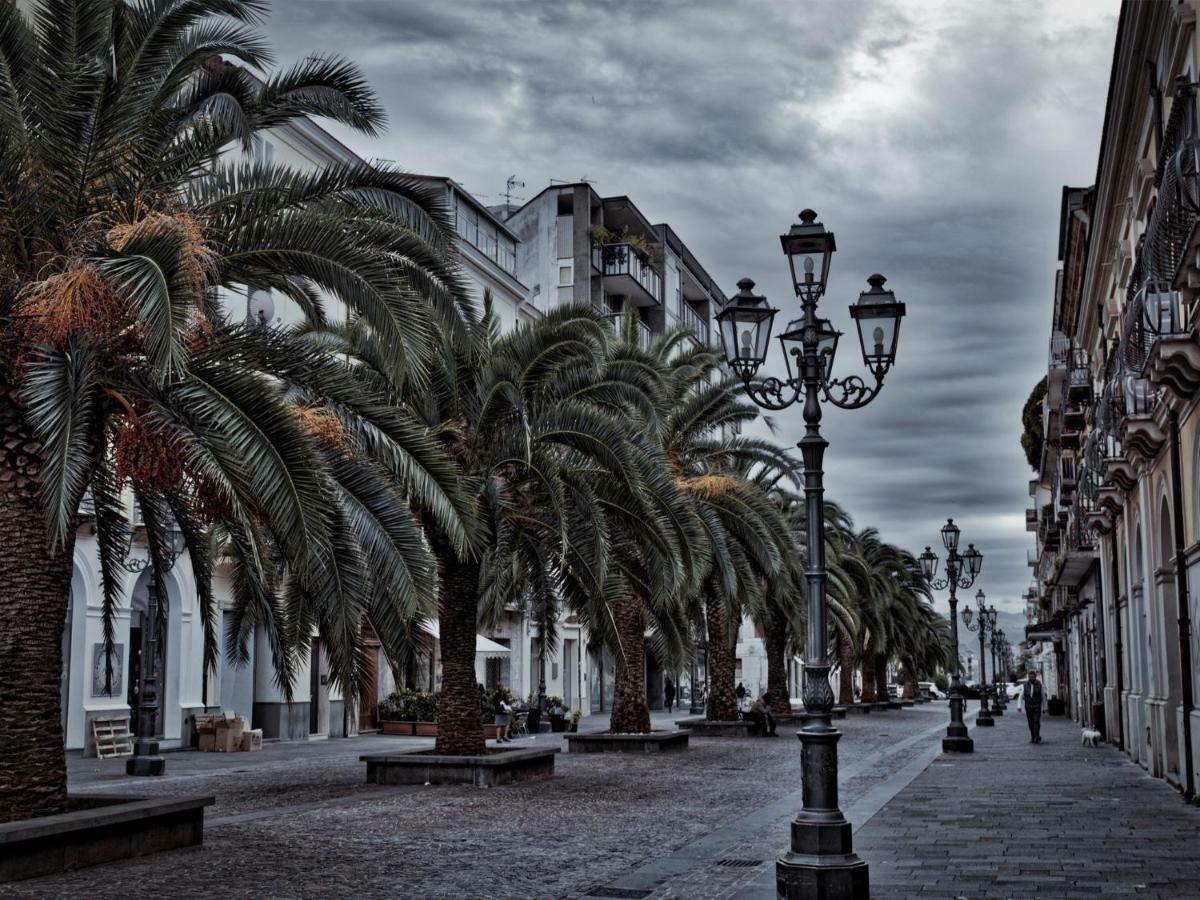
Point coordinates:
[(1090, 736)]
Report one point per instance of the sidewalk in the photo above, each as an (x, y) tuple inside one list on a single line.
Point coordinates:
[(1018, 820)]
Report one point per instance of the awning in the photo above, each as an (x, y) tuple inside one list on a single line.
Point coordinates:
[(484, 647)]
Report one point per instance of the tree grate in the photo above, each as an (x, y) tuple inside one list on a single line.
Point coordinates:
[(740, 863)]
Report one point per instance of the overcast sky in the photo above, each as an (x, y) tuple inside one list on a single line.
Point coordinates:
[(933, 138)]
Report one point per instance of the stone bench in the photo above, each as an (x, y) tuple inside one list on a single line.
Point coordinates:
[(607, 742), (99, 829), (705, 728), (489, 770)]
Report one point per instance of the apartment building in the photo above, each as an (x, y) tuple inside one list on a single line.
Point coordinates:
[(1116, 500), (578, 247)]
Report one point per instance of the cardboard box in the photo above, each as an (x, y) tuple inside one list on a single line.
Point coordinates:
[(208, 742), (251, 740)]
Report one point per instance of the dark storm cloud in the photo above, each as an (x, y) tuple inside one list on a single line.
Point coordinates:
[(934, 139)]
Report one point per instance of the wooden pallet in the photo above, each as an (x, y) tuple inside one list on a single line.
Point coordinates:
[(113, 737)]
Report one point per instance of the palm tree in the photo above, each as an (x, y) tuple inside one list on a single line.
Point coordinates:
[(740, 537), (533, 421), (122, 218)]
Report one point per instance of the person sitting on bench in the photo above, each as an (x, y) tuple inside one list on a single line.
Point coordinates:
[(760, 712)]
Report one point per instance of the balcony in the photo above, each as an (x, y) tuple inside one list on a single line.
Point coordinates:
[(1031, 520), (626, 273), (1031, 558), (1079, 378), (695, 323), (641, 329)]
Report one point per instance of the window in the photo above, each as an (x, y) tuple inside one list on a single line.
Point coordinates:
[(566, 275)]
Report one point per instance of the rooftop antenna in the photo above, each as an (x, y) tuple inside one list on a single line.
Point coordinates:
[(508, 189)]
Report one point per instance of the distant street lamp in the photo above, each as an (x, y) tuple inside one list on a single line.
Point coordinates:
[(1000, 667), (982, 620), (961, 572), (821, 863)]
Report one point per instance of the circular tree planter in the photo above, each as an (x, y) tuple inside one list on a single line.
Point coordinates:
[(99, 829), (496, 767), (607, 742)]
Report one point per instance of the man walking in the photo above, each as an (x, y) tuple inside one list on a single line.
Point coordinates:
[(669, 693), (1031, 702)]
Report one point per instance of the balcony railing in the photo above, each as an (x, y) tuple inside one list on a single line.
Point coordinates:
[(1060, 348), (694, 322), (622, 259), (641, 329)]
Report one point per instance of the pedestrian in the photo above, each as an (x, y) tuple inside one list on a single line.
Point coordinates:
[(760, 712), (741, 694), (1031, 701), (503, 712), (669, 693)]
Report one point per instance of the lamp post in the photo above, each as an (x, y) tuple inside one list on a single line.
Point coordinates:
[(961, 572), (983, 621), (999, 642), (146, 759), (821, 862)]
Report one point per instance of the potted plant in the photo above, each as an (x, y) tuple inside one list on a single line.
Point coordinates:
[(576, 715), (426, 705), (397, 712), (557, 713)]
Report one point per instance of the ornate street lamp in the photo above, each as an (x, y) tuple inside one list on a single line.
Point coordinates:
[(999, 649), (821, 862), (961, 572), (146, 759), (982, 620)]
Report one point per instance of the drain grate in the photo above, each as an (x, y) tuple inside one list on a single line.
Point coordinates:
[(740, 863)]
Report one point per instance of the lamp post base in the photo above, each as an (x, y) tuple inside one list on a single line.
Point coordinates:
[(985, 719), (146, 759), (824, 877), (957, 744)]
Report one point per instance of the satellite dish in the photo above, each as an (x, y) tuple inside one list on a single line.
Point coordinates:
[(260, 308)]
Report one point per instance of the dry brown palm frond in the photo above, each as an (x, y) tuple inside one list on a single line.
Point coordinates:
[(146, 456), (322, 423), (197, 257), (78, 299), (709, 486)]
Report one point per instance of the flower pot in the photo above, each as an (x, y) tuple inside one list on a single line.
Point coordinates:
[(404, 729), (558, 723), (425, 729), (574, 727)]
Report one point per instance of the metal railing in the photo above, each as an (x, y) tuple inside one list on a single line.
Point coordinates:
[(623, 259), (693, 321), (1060, 348)]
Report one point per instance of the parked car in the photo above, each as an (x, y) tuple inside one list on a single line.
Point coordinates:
[(893, 691)]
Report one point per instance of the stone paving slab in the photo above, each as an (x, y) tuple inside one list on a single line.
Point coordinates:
[(1018, 820), (297, 820)]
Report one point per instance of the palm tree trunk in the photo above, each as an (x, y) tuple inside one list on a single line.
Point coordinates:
[(910, 683), (868, 670), (35, 586), (775, 641), (845, 670), (460, 729), (881, 676), (630, 712), (722, 663)]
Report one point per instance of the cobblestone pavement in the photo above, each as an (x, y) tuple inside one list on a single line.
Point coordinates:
[(1019, 820), (298, 820)]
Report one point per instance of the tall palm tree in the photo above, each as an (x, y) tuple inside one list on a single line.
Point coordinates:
[(533, 421), (122, 218), (742, 538)]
